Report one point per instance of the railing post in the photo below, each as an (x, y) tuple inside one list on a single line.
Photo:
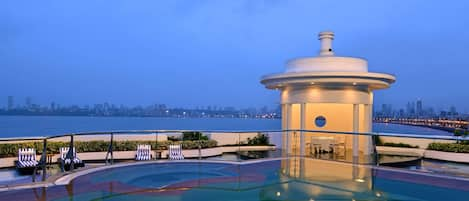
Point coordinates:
[(44, 160), (42, 163), (374, 138), (70, 153), (156, 145), (112, 147), (200, 146), (109, 151), (239, 147)]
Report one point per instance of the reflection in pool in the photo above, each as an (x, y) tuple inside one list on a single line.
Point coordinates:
[(288, 179)]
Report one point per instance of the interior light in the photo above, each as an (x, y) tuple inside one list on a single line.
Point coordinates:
[(360, 180), (278, 194), (354, 83)]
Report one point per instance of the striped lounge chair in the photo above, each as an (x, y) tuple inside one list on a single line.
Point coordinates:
[(143, 152), (26, 160), (175, 152), (67, 162)]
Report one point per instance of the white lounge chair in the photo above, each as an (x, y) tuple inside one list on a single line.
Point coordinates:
[(175, 152), (143, 152), (26, 160), (67, 161)]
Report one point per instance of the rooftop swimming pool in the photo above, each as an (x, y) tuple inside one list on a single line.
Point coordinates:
[(278, 179)]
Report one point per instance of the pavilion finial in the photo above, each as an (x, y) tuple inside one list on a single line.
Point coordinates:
[(326, 38)]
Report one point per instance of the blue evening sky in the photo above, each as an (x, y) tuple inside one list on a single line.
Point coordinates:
[(199, 53)]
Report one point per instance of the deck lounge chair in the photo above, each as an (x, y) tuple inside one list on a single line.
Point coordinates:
[(67, 162), (175, 152), (26, 161), (143, 152)]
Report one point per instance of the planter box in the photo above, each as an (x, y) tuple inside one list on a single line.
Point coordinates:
[(400, 151), (129, 155), (447, 156)]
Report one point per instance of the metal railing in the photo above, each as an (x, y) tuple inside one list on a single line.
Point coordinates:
[(287, 142)]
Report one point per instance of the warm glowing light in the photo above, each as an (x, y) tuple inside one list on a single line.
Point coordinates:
[(278, 194), (354, 83), (312, 82), (360, 180)]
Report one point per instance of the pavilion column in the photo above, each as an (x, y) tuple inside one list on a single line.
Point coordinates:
[(286, 120), (302, 138), (368, 128), (302, 127), (287, 135), (355, 145)]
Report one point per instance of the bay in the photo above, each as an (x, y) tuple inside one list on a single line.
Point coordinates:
[(19, 126)]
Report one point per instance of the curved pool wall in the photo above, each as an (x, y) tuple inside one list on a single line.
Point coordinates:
[(279, 179)]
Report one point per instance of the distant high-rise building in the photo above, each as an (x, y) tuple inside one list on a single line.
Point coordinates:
[(11, 104), (410, 108), (28, 102), (419, 108), (430, 111), (401, 112), (52, 106), (386, 109), (452, 111)]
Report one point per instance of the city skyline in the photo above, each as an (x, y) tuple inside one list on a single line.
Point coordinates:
[(30, 108), (13, 102), (186, 54), (413, 108), (416, 109)]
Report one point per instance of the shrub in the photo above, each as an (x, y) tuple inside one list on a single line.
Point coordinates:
[(449, 147), (392, 144), (193, 136), (11, 150), (460, 132), (378, 140), (260, 139), (174, 138)]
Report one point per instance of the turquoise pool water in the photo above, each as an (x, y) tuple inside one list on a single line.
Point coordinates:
[(290, 179)]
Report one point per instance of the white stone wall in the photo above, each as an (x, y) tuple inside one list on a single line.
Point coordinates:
[(422, 143), (230, 138)]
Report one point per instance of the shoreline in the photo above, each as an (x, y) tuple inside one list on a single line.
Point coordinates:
[(448, 130)]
